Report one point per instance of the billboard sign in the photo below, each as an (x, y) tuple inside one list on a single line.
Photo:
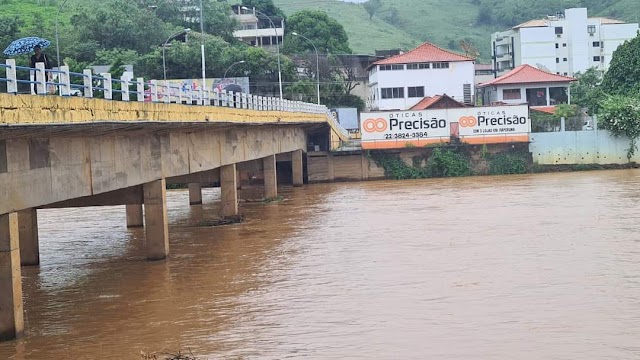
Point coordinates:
[(235, 84), (473, 125)]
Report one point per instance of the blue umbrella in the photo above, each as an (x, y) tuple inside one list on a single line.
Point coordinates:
[(25, 45)]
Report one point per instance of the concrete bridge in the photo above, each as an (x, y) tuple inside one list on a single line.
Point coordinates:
[(62, 151)]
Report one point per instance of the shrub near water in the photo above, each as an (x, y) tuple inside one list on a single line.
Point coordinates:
[(506, 163), (447, 163), (441, 163)]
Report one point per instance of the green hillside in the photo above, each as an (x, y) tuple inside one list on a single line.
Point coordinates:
[(405, 23)]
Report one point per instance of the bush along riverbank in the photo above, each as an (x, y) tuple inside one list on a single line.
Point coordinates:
[(468, 160)]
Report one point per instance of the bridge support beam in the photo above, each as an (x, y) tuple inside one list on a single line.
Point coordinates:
[(134, 216), (229, 190), (296, 167), (195, 194), (11, 307), (28, 234), (270, 177), (155, 216)]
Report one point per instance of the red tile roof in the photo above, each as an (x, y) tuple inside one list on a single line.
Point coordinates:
[(526, 74), (430, 101), (424, 53), (545, 109), (426, 103)]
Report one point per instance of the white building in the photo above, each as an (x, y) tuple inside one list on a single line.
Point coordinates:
[(401, 81), (526, 84), (256, 29), (563, 44)]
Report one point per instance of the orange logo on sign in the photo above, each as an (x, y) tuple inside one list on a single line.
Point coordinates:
[(468, 121), (375, 125)]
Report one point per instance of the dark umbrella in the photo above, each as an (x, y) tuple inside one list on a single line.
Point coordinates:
[(233, 88), (25, 45)]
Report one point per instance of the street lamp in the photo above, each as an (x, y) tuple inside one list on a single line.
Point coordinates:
[(230, 66), (204, 72), (317, 62), (57, 39), (164, 46), (277, 45)]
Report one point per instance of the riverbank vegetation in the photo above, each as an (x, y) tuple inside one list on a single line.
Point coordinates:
[(451, 161)]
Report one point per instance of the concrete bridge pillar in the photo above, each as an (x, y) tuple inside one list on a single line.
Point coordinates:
[(28, 234), (229, 190), (155, 216), (296, 167), (270, 177), (134, 215), (195, 194), (11, 308)]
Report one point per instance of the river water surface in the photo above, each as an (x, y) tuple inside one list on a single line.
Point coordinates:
[(525, 267)]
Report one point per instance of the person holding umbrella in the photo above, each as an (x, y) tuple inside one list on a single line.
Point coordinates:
[(40, 57), (26, 46)]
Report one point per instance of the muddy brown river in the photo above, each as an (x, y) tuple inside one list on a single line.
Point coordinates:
[(523, 267)]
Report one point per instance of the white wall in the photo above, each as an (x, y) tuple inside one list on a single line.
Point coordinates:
[(537, 46), (436, 82), (576, 29), (614, 36)]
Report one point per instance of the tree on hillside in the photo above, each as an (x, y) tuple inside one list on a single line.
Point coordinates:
[(623, 76), (325, 32), (217, 18), (265, 6), (121, 24), (372, 7)]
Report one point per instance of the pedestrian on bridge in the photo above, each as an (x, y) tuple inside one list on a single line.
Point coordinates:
[(39, 56)]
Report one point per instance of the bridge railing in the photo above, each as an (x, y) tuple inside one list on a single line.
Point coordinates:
[(63, 82)]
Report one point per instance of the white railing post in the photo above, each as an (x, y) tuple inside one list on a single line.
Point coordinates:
[(41, 84), (12, 77), (244, 99), (252, 102), (65, 79), (207, 97), (166, 92), (216, 97), (225, 98), (140, 89), (153, 89), (88, 83), (182, 94), (108, 86), (124, 87)]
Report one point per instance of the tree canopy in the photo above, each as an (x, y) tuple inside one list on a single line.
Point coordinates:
[(325, 32), (623, 76)]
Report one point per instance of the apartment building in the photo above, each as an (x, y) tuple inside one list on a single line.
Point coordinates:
[(257, 30), (563, 44), (401, 81)]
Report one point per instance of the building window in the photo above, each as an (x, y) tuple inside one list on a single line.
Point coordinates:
[(564, 45), (557, 60), (418, 66), (596, 58), (558, 95), (565, 74), (591, 29), (391, 67), (392, 93), (559, 30), (564, 59), (596, 44), (441, 65), (415, 91), (537, 97), (511, 94), (266, 40), (557, 46)]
